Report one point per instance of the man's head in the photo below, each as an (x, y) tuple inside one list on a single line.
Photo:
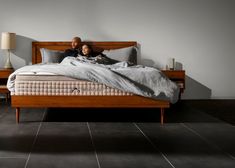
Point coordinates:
[(75, 42)]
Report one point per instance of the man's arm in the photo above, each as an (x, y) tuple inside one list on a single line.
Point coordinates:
[(71, 52)]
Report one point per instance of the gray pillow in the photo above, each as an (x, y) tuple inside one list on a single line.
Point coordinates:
[(51, 56), (128, 54)]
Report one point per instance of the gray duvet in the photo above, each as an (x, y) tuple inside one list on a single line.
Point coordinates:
[(140, 80)]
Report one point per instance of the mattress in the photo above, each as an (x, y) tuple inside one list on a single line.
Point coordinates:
[(51, 84)]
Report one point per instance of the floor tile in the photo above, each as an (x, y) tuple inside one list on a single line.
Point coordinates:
[(63, 145), (121, 145), (221, 135), (183, 113), (12, 162), (184, 148), (16, 139)]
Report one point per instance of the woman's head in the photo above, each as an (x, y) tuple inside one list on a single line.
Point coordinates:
[(86, 50), (75, 42)]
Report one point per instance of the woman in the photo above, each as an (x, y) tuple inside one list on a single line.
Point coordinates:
[(87, 51), (99, 58)]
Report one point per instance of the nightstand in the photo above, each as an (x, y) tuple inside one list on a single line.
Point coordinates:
[(4, 74), (178, 76)]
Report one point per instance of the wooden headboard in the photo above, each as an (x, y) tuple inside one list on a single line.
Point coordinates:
[(96, 45)]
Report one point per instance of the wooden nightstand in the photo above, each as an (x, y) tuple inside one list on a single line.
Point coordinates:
[(177, 76), (4, 74)]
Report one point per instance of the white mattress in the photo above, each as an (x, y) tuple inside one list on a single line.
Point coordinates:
[(51, 84)]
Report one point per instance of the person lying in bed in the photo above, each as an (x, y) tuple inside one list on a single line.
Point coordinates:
[(87, 51), (94, 57), (74, 51)]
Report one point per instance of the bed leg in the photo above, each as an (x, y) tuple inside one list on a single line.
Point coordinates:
[(162, 116), (17, 115), (6, 97)]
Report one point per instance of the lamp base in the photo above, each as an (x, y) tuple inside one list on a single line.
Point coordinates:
[(8, 64)]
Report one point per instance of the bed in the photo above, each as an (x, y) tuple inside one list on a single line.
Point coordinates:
[(120, 100)]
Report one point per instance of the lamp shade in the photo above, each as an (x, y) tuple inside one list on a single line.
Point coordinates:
[(8, 40)]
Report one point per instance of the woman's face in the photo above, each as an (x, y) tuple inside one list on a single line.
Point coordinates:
[(86, 50)]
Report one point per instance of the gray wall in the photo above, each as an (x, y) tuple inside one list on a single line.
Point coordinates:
[(199, 34)]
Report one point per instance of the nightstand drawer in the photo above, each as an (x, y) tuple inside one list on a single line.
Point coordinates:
[(174, 74), (4, 73)]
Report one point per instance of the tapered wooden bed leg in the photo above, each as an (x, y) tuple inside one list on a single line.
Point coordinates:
[(162, 116), (17, 115)]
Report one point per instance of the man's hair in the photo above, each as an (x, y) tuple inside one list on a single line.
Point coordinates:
[(77, 39)]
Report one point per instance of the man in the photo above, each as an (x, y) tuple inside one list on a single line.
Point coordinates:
[(74, 51)]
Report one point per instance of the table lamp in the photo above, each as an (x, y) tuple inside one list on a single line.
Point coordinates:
[(7, 43)]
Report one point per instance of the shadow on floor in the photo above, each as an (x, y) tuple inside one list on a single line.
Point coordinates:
[(221, 109), (177, 113)]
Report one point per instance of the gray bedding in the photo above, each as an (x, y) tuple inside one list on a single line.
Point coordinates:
[(140, 80)]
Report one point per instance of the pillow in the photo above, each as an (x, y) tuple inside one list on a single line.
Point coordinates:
[(51, 56), (128, 54)]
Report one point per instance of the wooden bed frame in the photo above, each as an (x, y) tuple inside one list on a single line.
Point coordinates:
[(134, 101)]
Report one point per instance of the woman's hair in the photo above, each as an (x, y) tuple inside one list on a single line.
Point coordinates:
[(89, 46)]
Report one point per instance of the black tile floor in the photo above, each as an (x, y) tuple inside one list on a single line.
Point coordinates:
[(107, 138)]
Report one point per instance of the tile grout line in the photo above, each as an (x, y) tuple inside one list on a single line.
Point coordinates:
[(155, 147), (35, 138), (93, 144), (207, 141)]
